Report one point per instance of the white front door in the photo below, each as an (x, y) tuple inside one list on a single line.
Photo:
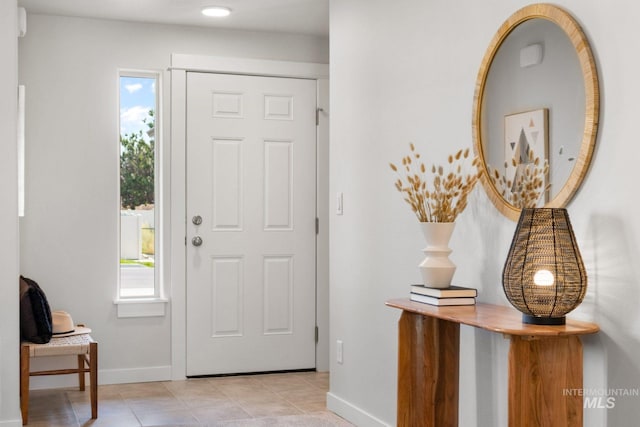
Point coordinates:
[(251, 209)]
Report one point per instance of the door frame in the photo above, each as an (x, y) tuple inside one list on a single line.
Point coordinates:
[(180, 65)]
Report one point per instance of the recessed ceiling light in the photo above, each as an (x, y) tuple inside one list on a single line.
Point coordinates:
[(216, 11)]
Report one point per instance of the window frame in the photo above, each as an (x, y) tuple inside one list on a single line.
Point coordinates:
[(145, 305)]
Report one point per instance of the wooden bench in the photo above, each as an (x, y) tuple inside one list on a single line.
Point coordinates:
[(81, 345)]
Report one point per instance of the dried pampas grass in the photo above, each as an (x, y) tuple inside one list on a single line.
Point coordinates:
[(527, 188), (451, 185)]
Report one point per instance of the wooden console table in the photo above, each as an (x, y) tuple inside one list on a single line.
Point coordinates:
[(543, 361)]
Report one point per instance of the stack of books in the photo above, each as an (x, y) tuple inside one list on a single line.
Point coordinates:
[(453, 295)]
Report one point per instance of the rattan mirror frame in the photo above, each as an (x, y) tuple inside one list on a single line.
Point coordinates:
[(592, 102)]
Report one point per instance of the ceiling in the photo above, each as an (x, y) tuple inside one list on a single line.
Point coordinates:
[(289, 16)]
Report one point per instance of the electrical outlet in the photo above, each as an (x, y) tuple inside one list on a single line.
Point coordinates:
[(339, 351)]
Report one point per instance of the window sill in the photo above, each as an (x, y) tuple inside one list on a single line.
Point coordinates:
[(141, 307)]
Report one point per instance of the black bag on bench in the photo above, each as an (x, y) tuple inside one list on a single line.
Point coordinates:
[(35, 313)]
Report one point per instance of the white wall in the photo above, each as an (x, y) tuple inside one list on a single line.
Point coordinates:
[(9, 243), (405, 74), (70, 68)]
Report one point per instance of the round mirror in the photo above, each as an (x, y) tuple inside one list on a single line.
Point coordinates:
[(535, 112)]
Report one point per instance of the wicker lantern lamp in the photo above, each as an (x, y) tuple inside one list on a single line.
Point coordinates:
[(544, 276)]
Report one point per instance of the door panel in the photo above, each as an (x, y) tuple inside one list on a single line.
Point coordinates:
[(251, 176)]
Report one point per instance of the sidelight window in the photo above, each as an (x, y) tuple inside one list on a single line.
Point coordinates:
[(139, 190)]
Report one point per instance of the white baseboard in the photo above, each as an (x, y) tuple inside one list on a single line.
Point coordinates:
[(105, 376), (352, 413), (11, 423)]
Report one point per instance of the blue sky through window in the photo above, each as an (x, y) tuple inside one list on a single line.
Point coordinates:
[(137, 97)]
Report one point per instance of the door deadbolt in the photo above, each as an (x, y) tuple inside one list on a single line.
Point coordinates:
[(197, 220), (196, 241)]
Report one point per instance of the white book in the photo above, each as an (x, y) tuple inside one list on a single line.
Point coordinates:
[(450, 292), (426, 299)]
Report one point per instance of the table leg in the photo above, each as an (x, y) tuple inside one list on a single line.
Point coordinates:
[(541, 371), (428, 371)]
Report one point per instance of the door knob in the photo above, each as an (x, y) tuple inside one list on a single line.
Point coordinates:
[(196, 241), (197, 220)]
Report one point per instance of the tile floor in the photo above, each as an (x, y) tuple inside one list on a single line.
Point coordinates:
[(292, 399)]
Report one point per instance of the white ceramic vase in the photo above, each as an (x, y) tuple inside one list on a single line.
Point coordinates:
[(437, 269)]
